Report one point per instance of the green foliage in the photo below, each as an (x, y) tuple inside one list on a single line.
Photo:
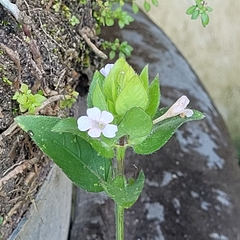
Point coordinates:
[(73, 20), (147, 5), (106, 12), (79, 161), (83, 2), (123, 17), (154, 97), (155, 3), (85, 160), (119, 93), (69, 99), (123, 193), (163, 131), (200, 9), (123, 49), (136, 123), (60, 7), (135, 8), (7, 81), (57, 6), (28, 101), (75, 156)]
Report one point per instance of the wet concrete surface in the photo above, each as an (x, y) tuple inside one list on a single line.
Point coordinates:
[(193, 183)]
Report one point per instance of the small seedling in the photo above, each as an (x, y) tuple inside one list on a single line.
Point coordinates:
[(73, 20), (7, 81), (123, 48), (200, 9), (28, 101), (69, 99), (106, 13)]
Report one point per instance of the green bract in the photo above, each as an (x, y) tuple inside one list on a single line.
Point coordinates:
[(129, 97), (123, 89)]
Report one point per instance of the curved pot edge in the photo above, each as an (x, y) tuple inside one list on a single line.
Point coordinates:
[(49, 216)]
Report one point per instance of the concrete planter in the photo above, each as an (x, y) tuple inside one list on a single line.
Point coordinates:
[(51, 218)]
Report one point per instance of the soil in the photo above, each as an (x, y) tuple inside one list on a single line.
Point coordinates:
[(47, 53)]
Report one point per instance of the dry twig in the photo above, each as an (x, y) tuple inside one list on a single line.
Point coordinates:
[(19, 169), (14, 56), (91, 45)]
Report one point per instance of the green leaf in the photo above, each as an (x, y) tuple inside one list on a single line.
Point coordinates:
[(121, 54), (155, 3), (31, 109), (153, 97), (24, 88), (195, 14), (69, 125), (119, 76), (144, 77), (191, 10), (136, 123), (205, 19), (121, 24), (98, 99), (128, 50), (16, 95), (109, 22), (125, 100), (39, 98), (209, 9), (128, 19), (22, 99), (22, 108), (78, 160), (98, 79), (111, 107), (146, 6), (163, 131), (199, 3), (112, 54), (110, 85), (125, 196), (135, 8)]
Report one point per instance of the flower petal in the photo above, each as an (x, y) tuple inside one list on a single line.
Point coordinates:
[(94, 132), (84, 123), (105, 70), (110, 130), (178, 107), (94, 113), (180, 104), (188, 112), (106, 117)]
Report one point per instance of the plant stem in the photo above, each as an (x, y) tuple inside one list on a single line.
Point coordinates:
[(119, 213), (119, 210), (120, 155)]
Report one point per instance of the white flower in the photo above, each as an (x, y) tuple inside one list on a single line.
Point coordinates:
[(105, 71), (97, 122), (178, 108)]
